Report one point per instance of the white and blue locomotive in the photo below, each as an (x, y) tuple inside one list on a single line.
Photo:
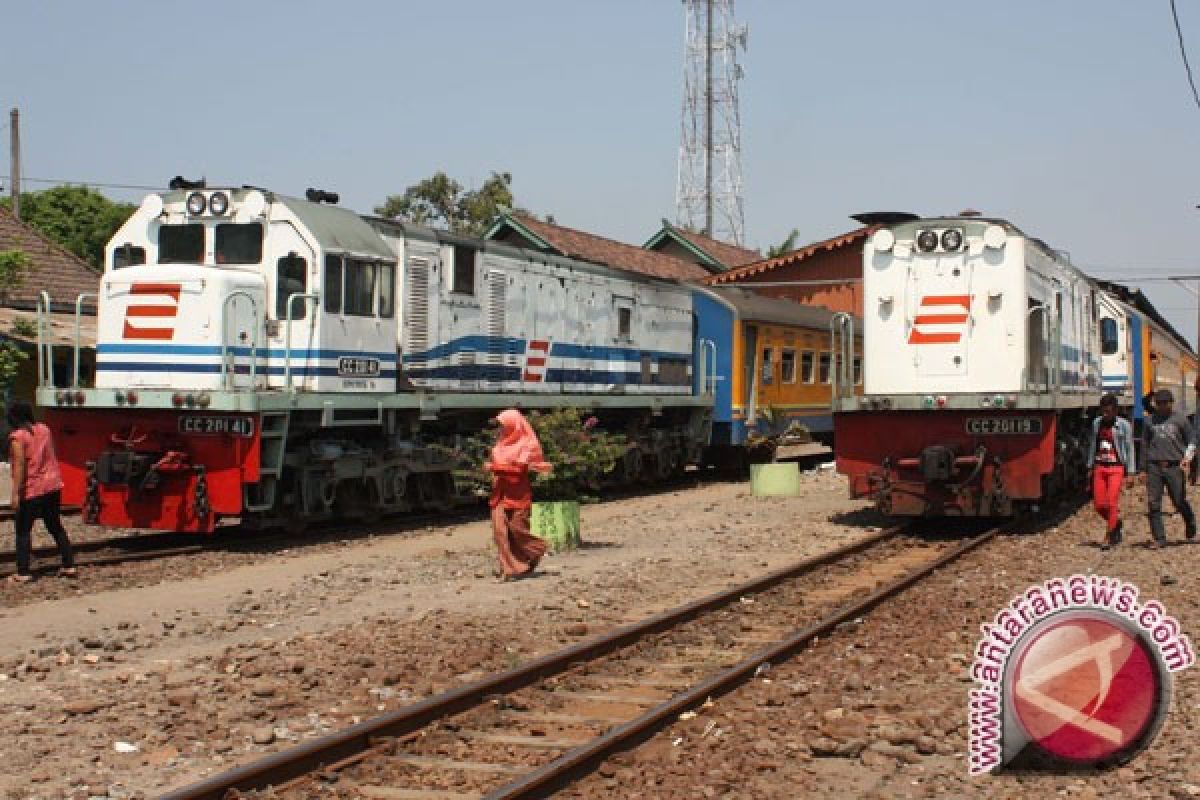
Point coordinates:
[(282, 360)]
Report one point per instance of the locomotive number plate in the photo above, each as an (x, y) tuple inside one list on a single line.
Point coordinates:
[(359, 367), (202, 425), (1000, 426)]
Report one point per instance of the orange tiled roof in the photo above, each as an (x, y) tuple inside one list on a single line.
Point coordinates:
[(609, 252), (730, 255), (55, 270), (768, 264)]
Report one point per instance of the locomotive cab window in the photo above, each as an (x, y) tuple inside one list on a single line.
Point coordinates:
[(463, 276), (387, 290), (333, 284), (359, 297), (825, 374), (181, 244), (787, 365), (239, 243), (291, 276), (808, 362), (128, 256), (768, 366), (1109, 340)]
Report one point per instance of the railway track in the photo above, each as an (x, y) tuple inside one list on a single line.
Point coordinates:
[(530, 730)]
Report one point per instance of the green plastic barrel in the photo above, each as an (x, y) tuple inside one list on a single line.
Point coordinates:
[(557, 523), (775, 480)]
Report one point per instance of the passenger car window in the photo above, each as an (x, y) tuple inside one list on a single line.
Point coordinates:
[(291, 277), (333, 284), (181, 244), (787, 365), (768, 366), (807, 365), (823, 369)]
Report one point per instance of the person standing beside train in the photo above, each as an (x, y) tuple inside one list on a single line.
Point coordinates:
[(1110, 463), (36, 488), (1168, 446), (516, 452)]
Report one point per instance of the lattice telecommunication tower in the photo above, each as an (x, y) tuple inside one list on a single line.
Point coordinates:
[(708, 197)]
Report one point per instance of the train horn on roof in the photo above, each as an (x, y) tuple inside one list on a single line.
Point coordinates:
[(180, 182), (321, 196)]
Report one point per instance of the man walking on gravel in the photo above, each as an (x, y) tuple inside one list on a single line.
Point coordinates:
[(1168, 446)]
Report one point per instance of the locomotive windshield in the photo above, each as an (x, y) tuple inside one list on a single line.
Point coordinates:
[(181, 244), (239, 243)]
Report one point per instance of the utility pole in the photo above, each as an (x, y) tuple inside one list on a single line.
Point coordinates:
[(14, 171)]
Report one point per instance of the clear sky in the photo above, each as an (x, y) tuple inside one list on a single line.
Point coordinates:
[(1072, 119)]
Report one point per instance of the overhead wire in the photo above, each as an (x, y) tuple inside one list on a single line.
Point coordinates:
[(1183, 54), (98, 184)]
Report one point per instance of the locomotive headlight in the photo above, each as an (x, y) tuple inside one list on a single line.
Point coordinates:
[(883, 240), (218, 203), (196, 203), (951, 240), (203, 400), (994, 237), (927, 241)]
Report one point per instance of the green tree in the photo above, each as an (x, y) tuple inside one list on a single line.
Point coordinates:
[(786, 246), (76, 218), (14, 265), (440, 201)]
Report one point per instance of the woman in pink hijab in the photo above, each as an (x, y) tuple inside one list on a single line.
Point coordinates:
[(517, 451)]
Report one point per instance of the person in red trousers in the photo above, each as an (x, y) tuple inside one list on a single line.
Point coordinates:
[(517, 451), (1111, 464)]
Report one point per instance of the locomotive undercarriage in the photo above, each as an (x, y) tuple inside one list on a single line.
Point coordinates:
[(363, 473), (957, 479)]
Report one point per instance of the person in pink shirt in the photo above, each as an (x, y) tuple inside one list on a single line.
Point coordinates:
[(36, 488), (516, 453)]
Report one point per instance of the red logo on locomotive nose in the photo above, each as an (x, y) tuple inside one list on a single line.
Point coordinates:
[(939, 320), (1085, 689), (152, 310)]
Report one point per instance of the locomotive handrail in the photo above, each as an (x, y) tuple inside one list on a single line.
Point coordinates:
[(44, 346), (708, 380), (225, 383), (841, 346), (287, 335), (79, 333)]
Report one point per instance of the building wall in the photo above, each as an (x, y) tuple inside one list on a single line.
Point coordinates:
[(843, 264)]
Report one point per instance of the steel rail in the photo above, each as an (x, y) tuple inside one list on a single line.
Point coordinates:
[(585, 758), (317, 754)]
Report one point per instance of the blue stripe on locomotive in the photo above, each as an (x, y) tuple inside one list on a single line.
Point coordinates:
[(714, 322)]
